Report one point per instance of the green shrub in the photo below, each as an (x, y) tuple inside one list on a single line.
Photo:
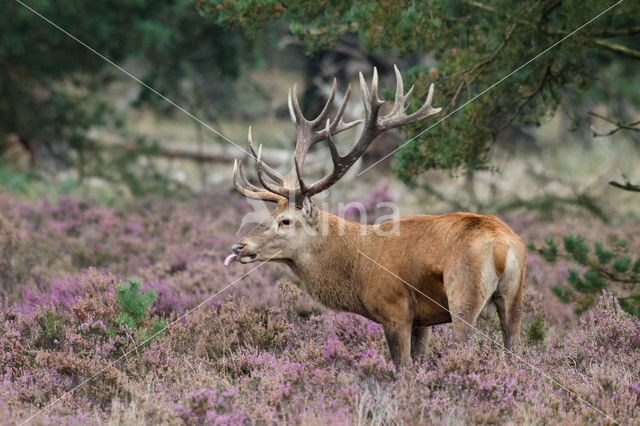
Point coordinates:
[(535, 331), (50, 330), (148, 335), (133, 304), (611, 268), (134, 307)]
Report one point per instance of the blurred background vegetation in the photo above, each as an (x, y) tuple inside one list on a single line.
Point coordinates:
[(559, 137)]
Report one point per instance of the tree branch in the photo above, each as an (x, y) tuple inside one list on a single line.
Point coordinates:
[(601, 44), (627, 186), (617, 48), (480, 65), (619, 125), (550, 202), (616, 32)]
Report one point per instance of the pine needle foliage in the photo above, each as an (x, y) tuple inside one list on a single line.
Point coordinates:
[(596, 268)]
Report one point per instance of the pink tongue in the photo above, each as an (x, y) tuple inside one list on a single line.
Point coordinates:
[(230, 259)]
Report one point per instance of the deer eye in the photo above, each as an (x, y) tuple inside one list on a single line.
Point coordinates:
[(285, 222)]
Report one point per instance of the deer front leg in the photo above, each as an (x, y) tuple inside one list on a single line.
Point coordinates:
[(419, 338), (399, 340)]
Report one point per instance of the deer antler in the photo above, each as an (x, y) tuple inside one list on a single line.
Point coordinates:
[(249, 190), (375, 124), (307, 134), (273, 174)]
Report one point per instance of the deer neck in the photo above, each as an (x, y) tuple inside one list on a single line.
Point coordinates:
[(335, 239), (329, 267)]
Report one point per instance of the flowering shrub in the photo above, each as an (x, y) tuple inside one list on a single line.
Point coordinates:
[(262, 351)]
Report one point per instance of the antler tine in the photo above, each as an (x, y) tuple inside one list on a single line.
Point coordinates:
[(366, 98), (251, 147), (239, 185), (426, 109), (279, 190), (400, 99), (371, 101), (400, 118), (273, 174), (295, 110), (343, 106), (325, 111), (374, 89), (335, 156), (399, 83), (397, 116), (302, 191), (342, 126), (290, 104), (248, 190), (337, 124), (245, 181)]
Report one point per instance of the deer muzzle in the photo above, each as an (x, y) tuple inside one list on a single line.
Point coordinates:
[(239, 254)]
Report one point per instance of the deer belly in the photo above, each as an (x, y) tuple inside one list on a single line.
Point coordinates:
[(336, 296), (433, 317), (432, 311)]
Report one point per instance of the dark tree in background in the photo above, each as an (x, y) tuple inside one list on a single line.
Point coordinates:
[(472, 45), (52, 88)]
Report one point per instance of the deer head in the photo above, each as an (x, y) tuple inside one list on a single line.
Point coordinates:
[(279, 238)]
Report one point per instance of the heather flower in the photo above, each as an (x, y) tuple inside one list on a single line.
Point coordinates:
[(263, 351)]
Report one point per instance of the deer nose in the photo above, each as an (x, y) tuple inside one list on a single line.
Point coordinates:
[(237, 248)]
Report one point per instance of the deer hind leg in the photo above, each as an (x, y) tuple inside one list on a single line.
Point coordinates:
[(399, 340), (463, 319), (468, 291), (419, 338), (508, 301)]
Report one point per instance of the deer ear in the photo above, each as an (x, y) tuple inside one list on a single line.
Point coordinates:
[(308, 208)]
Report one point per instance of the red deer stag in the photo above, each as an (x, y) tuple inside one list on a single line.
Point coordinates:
[(462, 261)]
